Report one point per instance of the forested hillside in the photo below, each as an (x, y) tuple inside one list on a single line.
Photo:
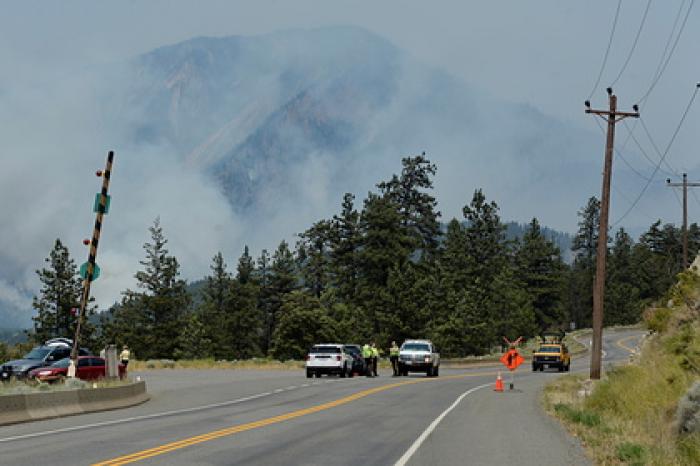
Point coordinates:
[(385, 269)]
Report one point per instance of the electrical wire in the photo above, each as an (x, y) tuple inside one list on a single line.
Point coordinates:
[(607, 50), (622, 157), (672, 171), (662, 158), (664, 63), (634, 44)]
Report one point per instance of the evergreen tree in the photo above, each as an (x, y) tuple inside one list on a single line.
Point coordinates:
[(60, 293), (384, 245), (246, 267), (193, 341), (417, 208), (345, 238), (484, 239), (313, 255), (303, 322), (216, 307), (540, 268), (283, 280), (622, 298), (262, 277), (584, 246), (150, 321)]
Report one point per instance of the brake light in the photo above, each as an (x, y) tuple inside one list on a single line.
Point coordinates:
[(308, 357), (338, 358)]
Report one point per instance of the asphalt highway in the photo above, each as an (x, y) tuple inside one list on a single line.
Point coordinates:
[(245, 417)]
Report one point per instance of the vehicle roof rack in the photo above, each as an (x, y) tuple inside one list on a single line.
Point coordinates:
[(59, 342)]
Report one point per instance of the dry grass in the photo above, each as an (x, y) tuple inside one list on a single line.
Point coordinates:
[(628, 417)]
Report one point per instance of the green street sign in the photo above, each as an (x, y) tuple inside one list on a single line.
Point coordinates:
[(84, 271), (96, 207)]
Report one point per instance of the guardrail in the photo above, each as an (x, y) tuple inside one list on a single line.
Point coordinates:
[(35, 406)]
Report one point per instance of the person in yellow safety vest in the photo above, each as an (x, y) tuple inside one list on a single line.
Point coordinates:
[(367, 356), (124, 355), (375, 358), (394, 358)]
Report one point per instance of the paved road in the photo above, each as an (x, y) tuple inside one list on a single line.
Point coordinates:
[(278, 417)]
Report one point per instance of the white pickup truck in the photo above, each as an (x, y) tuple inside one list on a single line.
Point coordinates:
[(329, 358), (419, 356)]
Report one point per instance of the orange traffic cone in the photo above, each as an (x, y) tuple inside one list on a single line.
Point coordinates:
[(499, 383)]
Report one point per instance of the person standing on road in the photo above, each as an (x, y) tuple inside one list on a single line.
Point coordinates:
[(394, 358), (367, 356), (125, 355), (375, 358)]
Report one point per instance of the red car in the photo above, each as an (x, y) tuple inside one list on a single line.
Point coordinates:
[(89, 368)]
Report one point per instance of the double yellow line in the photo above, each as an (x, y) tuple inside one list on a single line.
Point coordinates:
[(625, 347), (169, 447)]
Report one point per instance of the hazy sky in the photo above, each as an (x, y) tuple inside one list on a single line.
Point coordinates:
[(545, 53)]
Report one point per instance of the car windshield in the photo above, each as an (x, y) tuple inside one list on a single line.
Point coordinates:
[(37, 353), (63, 363), (416, 347), (549, 349), (325, 349)]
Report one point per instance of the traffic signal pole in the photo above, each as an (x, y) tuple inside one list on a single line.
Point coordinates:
[(685, 185), (612, 116), (101, 210)]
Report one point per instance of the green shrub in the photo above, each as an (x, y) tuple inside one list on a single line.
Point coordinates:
[(578, 416), (657, 319), (631, 453)]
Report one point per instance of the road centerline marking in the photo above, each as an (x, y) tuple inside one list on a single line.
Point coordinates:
[(177, 445)]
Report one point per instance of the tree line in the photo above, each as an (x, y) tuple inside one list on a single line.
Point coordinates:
[(385, 270)]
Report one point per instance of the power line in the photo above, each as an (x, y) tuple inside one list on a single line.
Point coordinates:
[(624, 160), (634, 44), (607, 50), (672, 171), (662, 157), (664, 63)]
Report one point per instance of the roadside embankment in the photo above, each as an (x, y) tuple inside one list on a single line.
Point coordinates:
[(44, 405), (635, 414)]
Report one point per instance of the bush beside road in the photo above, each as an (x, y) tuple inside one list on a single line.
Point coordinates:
[(631, 416)]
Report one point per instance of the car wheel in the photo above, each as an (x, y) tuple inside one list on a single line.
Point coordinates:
[(429, 372), (534, 367), (309, 374), (568, 367), (541, 367), (561, 367), (343, 372), (436, 371)]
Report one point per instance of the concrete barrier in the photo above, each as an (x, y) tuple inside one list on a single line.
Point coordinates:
[(45, 405)]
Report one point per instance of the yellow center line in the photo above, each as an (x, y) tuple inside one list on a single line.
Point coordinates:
[(625, 347), (168, 447)]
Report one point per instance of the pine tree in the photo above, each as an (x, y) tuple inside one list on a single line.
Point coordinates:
[(246, 268), (152, 319), (193, 341), (622, 298), (282, 280), (384, 245), (484, 239), (262, 277), (60, 293), (313, 256), (540, 268), (584, 246), (303, 322), (417, 209), (216, 307), (344, 236)]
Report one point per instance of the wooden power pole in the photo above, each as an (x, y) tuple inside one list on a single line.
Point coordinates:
[(611, 116), (91, 270), (685, 185)]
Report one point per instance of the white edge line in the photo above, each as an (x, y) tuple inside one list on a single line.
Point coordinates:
[(139, 418), (426, 433)]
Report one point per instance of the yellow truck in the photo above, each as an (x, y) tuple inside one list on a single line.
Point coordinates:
[(552, 352)]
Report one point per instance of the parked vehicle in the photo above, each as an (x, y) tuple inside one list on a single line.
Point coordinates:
[(419, 356), (358, 363), (89, 368), (52, 351), (552, 353), (329, 358)]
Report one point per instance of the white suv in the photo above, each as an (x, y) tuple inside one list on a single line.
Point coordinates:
[(329, 358), (419, 356)]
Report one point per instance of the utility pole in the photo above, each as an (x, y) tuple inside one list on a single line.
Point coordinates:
[(685, 185), (91, 269), (612, 117)]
